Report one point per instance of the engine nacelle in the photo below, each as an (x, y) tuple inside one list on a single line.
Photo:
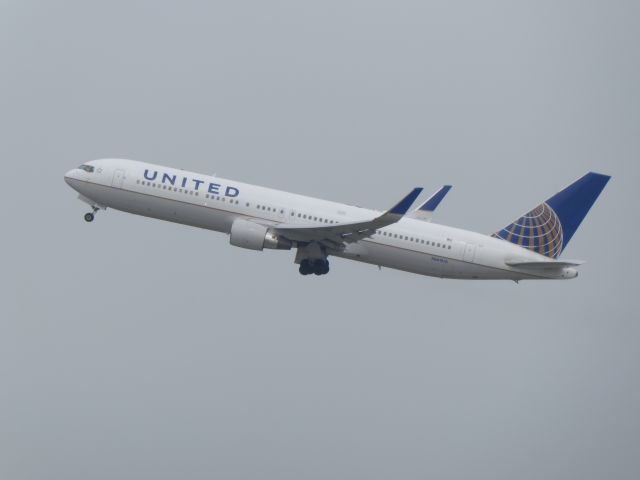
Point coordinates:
[(251, 235)]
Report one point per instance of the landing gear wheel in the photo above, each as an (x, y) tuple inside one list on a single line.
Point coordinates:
[(321, 267), (88, 217), (318, 266), (325, 270), (305, 267)]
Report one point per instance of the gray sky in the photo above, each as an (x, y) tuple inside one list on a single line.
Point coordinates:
[(133, 348)]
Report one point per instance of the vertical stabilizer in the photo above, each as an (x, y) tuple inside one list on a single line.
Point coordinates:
[(548, 228)]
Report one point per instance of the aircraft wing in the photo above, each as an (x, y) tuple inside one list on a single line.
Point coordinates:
[(335, 236), (425, 211)]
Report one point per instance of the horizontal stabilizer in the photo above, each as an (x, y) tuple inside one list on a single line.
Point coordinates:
[(545, 265)]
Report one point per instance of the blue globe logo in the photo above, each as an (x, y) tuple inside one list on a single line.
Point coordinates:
[(539, 230)]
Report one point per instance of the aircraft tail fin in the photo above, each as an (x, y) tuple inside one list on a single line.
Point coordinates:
[(548, 228)]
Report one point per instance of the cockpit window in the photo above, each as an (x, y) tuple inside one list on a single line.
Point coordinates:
[(86, 168)]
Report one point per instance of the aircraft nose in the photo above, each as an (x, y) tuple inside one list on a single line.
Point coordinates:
[(70, 175)]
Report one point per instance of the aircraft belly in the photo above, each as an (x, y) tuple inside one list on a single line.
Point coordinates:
[(158, 207), (393, 257), (422, 263)]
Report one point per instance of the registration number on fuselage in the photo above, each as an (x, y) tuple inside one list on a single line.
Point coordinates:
[(439, 260)]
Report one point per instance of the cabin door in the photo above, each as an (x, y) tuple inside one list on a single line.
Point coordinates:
[(469, 252), (118, 178)]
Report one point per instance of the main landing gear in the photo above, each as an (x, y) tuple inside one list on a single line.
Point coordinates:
[(89, 217), (319, 266)]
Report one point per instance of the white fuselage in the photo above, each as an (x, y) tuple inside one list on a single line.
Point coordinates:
[(215, 203)]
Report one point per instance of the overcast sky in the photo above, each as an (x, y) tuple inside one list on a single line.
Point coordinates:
[(133, 348)]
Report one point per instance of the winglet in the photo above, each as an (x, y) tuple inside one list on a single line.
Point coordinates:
[(425, 211), (405, 204), (432, 203)]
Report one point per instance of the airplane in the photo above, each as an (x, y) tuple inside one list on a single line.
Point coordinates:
[(258, 218)]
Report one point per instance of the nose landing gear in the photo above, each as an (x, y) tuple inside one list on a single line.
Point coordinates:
[(89, 217)]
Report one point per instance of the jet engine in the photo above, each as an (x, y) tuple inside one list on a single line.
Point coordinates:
[(251, 235)]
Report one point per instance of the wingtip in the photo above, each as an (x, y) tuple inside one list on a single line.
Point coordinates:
[(604, 176), (405, 204), (432, 203)]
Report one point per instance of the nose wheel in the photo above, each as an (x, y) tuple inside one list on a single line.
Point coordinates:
[(89, 217)]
